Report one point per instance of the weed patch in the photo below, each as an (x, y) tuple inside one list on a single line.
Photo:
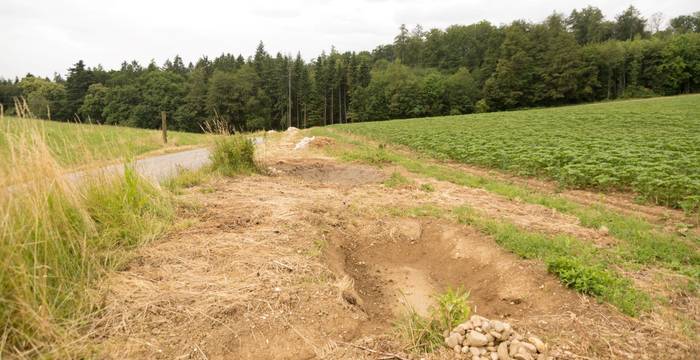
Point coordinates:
[(234, 155), (396, 180), (425, 334)]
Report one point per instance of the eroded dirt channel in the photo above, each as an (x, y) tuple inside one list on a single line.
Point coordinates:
[(301, 263)]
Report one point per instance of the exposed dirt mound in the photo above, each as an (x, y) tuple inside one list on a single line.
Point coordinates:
[(323, 172)]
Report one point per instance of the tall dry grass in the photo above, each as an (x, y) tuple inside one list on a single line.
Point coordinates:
[(57, 238)]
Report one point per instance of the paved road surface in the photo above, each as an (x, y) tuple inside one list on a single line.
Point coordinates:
[(156, 168)]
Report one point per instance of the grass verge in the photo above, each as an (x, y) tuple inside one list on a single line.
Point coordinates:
[(57, 239), (76, 144), (578, 264), (643, 243)]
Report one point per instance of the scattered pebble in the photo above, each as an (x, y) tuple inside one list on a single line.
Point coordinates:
[(480, 338)]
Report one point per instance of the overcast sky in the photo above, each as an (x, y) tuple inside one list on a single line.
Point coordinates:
[(47, 36)]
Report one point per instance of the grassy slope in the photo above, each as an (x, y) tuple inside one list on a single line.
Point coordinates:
[(75, 144), (578, 263), (649, 146)]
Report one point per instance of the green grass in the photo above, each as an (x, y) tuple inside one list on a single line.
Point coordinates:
[(234, 155), (651, 147), (427, 187), (578, 264), (76, 144), (425, 334), (187, 178), (396, 180), (57, 239), (642, 242)]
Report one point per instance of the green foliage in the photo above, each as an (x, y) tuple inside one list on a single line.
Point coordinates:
[(425, 334), (596, 280), (656, 155), (452, 308), (459, 70), (590, 280), (638, 92), (43, 96), (234, 155), (235, 98), (641, 242), (578, 264)]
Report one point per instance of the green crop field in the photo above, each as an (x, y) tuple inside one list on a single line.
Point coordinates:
[(76, 144), (650, 147)]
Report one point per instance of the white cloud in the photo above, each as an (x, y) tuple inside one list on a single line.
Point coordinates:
[(47, 36)]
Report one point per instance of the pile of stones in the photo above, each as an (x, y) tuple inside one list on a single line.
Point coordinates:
[(482, 339)]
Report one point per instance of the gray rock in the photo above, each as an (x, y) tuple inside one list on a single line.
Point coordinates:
[(523, 355), (495, 334), (476, 339), (539, 344), (513, 347), (453, 340), (475, 351), (503, 351), (529, 347), (498, 326), (494, 356)]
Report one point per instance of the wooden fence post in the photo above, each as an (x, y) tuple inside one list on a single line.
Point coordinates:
[(164, 125), (2, 111)]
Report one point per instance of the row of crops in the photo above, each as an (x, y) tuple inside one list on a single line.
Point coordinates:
[(651, 147)]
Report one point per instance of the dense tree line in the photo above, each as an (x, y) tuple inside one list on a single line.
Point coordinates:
[(462, 69)]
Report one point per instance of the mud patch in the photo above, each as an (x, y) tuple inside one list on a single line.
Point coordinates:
[(324, 172)]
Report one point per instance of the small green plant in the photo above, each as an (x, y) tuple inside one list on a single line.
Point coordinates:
[(375, 156), (396, 180), (317, 249), (586, 279), (425, 334), (427, 187), (234, 155), (185, 178)]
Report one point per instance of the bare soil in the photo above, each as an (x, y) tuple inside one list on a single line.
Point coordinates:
[(310, 262)]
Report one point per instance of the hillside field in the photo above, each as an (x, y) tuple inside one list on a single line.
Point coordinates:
[(76, 144), (650, 147)]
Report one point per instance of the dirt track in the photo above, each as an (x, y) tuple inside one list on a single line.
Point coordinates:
[(298, 264)]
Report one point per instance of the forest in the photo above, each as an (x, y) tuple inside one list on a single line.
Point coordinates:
[(482, 67)]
